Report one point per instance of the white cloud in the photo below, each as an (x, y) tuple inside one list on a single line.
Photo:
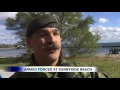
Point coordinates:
[(108, 34), (2, 27), (103, 20), (101, 28), (4, 15), (7, 37), (111, 39)]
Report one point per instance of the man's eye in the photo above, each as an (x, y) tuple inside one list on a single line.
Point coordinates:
[(42, 34), (56, 33)]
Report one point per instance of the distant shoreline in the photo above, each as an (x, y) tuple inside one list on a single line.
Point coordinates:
[(8, 48), (12, 48), (3, 56)]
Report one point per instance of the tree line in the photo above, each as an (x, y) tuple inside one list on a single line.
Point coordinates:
[(7, 45)]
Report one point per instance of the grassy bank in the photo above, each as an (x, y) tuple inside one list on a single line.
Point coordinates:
[(108, 65), (4, 62)]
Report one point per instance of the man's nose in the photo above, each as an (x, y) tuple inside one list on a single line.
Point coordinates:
[(51, 38)]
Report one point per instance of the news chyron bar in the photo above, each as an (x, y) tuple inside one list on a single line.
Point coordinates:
[(51, 69), (0, 76)]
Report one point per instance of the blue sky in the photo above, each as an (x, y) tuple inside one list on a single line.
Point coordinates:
[(107, 24)]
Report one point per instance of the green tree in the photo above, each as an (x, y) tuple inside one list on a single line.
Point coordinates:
[(74, 29), (75, 32)]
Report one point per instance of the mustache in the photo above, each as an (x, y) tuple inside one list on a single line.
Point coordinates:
[(52, 46)]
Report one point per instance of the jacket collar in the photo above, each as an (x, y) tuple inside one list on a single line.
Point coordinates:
[(33, 63)]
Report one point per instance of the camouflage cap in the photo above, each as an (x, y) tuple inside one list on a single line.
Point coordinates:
[(42, 21)]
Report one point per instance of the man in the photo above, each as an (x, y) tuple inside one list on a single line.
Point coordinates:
[(43, 36)]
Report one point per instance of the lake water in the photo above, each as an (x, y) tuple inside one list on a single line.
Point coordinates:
[(15, 52), (103, 51), (10, 52)]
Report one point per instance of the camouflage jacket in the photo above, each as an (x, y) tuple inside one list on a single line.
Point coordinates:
[(58, 74)]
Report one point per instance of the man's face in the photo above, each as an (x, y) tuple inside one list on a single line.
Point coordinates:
[(44, 42)]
